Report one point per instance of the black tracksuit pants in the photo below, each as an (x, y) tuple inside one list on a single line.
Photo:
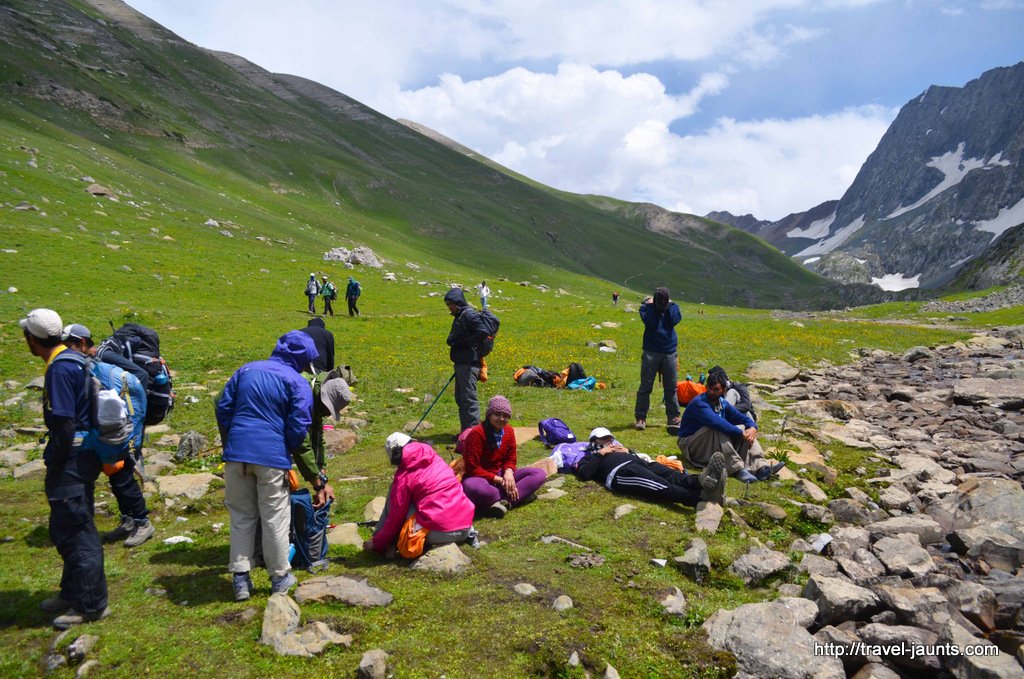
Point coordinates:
[(657, 482)]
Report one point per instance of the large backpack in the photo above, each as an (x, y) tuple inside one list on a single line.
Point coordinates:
[(117, 403), (553, 431), (136, 348), (491, 324), (744, 404), (309, 532)]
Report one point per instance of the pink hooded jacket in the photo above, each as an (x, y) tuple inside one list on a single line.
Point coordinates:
[(423, 479)]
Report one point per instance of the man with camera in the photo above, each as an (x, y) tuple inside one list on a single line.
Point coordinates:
[(660, 316)]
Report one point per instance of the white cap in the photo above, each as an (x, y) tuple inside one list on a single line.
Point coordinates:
[(42, 323), (599, 433), (396, 440)]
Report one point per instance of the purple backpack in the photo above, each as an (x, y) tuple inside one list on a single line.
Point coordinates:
[(553, 431)]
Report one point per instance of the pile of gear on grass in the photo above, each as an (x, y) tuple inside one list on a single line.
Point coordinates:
[(573, 377)]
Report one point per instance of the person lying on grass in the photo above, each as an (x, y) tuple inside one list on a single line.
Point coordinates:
[(623, 471)]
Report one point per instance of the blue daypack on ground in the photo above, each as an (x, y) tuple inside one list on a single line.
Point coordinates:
[(553, 431), (309, 532)]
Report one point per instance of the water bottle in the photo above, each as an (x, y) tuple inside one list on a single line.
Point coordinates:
[(291, 553), (160, 379)]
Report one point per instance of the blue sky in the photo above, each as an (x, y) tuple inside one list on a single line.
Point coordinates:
[(753, 106)]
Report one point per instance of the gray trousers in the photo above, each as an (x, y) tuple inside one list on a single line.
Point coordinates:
[(465, 394), (705, 442), (651, 363)]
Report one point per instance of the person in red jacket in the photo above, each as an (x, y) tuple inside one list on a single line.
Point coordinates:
[(492, 481), (426, 486)]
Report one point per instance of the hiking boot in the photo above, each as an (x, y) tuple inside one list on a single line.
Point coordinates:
[(140, 533), (74, 617), (673, 425), (243, 586), (641, 425), (497, 510), (123, 530), (745, 476), (712, 480), (765, 473), (283, 583), (55, 604)]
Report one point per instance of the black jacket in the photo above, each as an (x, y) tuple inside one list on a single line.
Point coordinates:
[(467, 330), (596, 467), (323, 339)]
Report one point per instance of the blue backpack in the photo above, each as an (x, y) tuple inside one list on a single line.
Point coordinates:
[(309, 532), (553, 431), (108, 382)]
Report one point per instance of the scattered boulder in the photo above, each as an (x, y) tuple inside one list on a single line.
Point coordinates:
[(674, 603), (903, 558), (191, 486), (374, 508), (345, 534), (1001, 666), (839, 600), (373, 665), (695, 563), (709, 517), (444, 559), (562, 603), (622, 510), (758, 565), (282, 632), (903, 636), (772, 371), (525, 589), (190, 446), (340, 588)]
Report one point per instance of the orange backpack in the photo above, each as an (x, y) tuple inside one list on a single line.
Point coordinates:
[(687, 390)]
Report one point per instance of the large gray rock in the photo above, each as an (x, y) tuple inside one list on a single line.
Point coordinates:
[(709, 517), (996, 548), (340, 588), (191, 486), (924, 527), (844, 644), (768, 642), (760, 564), (374, 508), (812, 564), (772, 371), (674, 603), (444, 559), (850, 512), (861, 565), (190, 445), (900, 557), (975, 602), (839, 600), (964, 666), (282, 632), (982, 391), (895, 497), (695, 562), (373, 665), (345, 534), (875, 671), (31, 468), (995, 503), (903, 636), (13, 457), (804, 611), (924, 607), (848, 539)]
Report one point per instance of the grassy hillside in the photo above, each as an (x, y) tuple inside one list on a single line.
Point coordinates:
[(292, 157)]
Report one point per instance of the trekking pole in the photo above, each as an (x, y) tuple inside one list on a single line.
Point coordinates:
[(432, 403)]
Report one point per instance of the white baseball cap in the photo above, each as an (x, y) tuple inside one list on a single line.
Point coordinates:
[(396, 440), (42, 323), (599, 433)]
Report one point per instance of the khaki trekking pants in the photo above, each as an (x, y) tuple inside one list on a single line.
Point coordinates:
[(257, 495), (705, 442)]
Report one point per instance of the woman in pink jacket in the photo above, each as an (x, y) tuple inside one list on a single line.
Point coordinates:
[(426, 486)]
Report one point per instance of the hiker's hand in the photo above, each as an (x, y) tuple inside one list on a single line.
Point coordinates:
[(510, 486), (613, 448), (750, 435), (321, 496), (368, 546)]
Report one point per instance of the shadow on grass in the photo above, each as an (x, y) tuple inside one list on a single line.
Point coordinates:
[(198, 587), (20, 609), (185, 555), (38, 537)]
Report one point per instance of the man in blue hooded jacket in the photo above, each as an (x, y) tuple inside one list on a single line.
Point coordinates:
[(660, 316), (263, 416), (464, 340)]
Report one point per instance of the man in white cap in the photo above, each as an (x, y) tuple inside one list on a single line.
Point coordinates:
[(135, 527), (71, 471), (312, 290), (622, 470)]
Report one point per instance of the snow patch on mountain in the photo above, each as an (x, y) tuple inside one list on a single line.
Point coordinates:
[(954, 168), (834, 241), (817, 229), (894, 282), (1007, 218)]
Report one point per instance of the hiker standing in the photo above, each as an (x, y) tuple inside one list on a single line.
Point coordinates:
[(464, 339), (615, 298), (71, 472), (329, 293), (492, 481), (484, 292), (426, 490), (264, 415), (711, 425), (135, 527), (312, 290), (323, 339), (352, 293), (660, 316)]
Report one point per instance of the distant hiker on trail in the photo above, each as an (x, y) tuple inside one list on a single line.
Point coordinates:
[(312, 290), (711, 425), (352, 293), (615, 298), (484, 293), (425, 505), (622, 470), (660, 316), (264, 415), (324, 341), (135, 527), (464, 338), (329, 293), (71, 471), (492, 481)]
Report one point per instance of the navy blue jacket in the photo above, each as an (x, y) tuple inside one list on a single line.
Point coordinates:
[(699, 413), (467, 330), (660, 327), (266, 408)]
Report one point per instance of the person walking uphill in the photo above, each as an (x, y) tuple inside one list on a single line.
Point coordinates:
[(660, 316), (492, 481), (352, 293), (264, 414), (464, 340), (312, 290), (71, 472), (329, 293)]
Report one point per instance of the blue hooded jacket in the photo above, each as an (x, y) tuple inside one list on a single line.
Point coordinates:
[(266, 408), (660, 327)]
